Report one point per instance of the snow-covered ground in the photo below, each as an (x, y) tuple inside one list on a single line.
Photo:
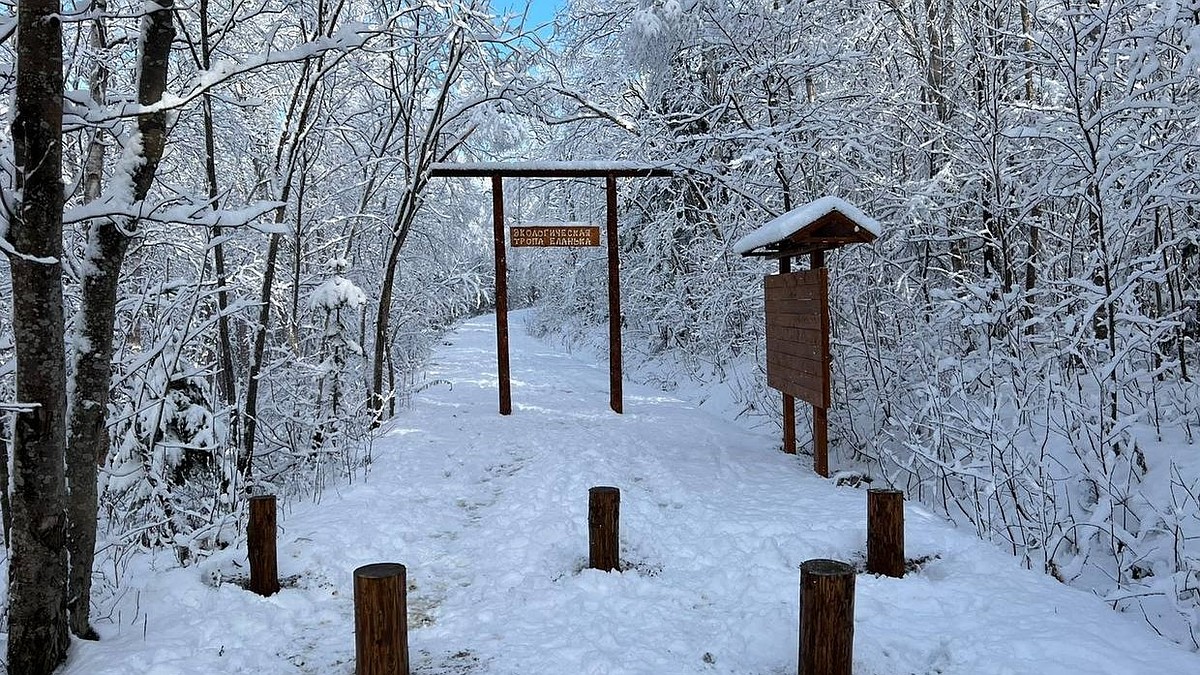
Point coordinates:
[(489, 515)]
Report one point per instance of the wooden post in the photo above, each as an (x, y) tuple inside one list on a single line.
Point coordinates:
[(826, 618), (604, 528), (885, 532), (816, 260), (260, 542), (615, 396), (381, 619), (789, 401), (821, 441), (502, 366)]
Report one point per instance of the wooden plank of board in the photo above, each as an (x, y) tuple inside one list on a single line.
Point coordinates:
[(801, 389), (793, 306), (796, 290), (798, 334), (801, 364), (800, 320)]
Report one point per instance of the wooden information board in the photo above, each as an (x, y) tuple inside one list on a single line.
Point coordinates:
[(554, 235), (798, 335)]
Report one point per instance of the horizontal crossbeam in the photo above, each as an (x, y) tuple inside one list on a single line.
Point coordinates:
[(549, 170)]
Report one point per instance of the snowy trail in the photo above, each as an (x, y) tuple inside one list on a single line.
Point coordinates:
[(489, 515)]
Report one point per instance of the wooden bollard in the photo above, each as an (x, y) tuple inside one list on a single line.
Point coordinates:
[(885, 532), (604, 528), (381, 619), (260, 542), (826, 618)]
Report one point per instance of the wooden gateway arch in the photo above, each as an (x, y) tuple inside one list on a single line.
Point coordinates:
[(546, 236)]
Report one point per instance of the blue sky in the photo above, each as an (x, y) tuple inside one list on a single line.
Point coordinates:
[(540, 11)]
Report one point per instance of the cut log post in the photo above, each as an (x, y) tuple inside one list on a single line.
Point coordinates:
[(381, 619), (885, 532), (826, 618), (604, 528), (260, 542)]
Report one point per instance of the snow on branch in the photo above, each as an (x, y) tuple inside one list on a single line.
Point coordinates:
[(81, 110), (189, 213)]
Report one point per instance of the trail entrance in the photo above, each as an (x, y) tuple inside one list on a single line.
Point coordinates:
[(565, 235)]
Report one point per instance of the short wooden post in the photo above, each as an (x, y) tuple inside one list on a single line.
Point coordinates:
[(826, 618), (381, 619), (604, 528), (260, 542), (885, 532)]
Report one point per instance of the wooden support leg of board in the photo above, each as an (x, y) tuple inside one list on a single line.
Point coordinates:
[(821, 441), (502, 366), (615, 396), (816, 260), (789, 401), (789, 424)]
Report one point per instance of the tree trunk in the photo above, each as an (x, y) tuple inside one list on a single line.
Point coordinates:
[(5, 504), (383, 320), (37, 572), (85, 422), (245, 461), (92, 351), (226, 377)]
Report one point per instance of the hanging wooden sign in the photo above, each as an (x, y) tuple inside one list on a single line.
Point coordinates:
[(554, 235)]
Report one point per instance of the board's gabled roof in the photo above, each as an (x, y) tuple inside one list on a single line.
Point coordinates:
[(826, 223)]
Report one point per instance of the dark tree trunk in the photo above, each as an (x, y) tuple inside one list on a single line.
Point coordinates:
[(92, 355), (37, 572), (383, 317), (245, 459), (226, 375), (5, 504)]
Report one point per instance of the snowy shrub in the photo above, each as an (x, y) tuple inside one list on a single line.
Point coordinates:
[(168, 481), (339, 300)]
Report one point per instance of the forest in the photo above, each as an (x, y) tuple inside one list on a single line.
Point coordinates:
[(226, 263)]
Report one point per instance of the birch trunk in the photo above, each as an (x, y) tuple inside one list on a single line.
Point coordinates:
[(92, 350)]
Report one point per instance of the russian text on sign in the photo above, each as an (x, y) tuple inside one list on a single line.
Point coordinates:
[(554, 236)]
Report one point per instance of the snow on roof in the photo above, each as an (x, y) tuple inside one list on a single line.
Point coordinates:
[(799, 218), (517, 168), (545, 165)]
